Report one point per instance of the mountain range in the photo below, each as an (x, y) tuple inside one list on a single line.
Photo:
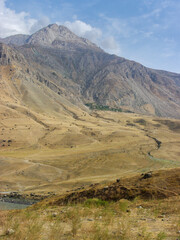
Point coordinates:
[(53, 68)]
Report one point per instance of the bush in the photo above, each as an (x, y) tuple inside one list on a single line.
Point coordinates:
[(102, 107)]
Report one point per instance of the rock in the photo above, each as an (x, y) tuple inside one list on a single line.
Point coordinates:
[(90, 219), (10, 231), (140, 207), (147, 175), (118, 180), (54, 214)]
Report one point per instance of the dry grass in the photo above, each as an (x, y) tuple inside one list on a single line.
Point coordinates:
[(115, 220)]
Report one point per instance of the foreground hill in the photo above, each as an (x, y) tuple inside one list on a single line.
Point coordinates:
[(81, 72), (151, 185), (140, 207)]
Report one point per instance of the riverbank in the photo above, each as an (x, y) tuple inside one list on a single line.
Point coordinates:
[(22, 199)]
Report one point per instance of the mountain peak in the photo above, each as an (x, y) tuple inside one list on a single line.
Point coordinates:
[(54, 35), (56, 28), (59, 37), (53, 25)]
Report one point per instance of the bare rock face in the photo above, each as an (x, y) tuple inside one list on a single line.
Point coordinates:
[(79, 71), (7, 55), (4, 58)]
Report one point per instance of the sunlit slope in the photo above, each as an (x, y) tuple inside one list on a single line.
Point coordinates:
[(61, 152)]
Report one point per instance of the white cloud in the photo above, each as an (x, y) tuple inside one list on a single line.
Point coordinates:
[(85, 30), (42, 22), (154, 13), (105, 41), (110, 45), (12, 23)]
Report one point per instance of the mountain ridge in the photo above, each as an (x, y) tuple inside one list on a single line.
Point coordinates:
[(50, 36), (77, 69)]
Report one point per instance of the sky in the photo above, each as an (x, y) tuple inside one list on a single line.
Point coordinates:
[(146, 31)]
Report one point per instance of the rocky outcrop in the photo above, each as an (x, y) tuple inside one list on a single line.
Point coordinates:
[(9, 55), (151, 185)]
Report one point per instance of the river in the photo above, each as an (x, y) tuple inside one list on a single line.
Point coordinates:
[(10, 206)]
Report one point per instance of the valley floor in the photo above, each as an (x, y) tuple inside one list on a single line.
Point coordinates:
[(42, 153)]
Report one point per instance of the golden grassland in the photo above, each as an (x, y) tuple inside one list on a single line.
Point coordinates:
[(61, 152)]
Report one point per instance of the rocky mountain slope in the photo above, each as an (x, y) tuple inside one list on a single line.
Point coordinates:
[(79, 72), (18, 39)]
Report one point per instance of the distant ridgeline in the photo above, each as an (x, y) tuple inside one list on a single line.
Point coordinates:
[(94, 106)]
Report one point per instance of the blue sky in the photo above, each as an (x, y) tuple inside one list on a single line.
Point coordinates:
[(147, 31)]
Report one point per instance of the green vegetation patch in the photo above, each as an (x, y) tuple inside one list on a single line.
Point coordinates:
[(96, 202), (94, 106)]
